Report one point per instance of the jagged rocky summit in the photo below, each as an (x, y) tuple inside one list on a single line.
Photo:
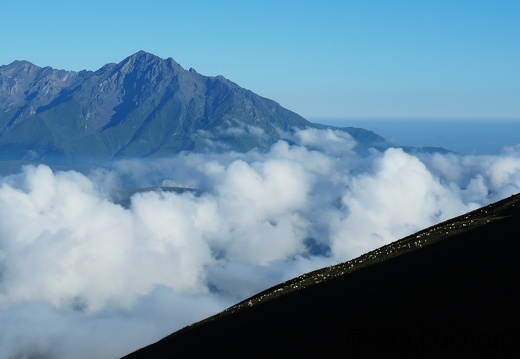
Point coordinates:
[(142, 106)]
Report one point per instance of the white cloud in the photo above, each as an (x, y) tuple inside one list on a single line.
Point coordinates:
[(330, 141), (399, 198), (91, 269)]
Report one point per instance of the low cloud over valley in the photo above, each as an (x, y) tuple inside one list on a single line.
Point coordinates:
[(83, 275)]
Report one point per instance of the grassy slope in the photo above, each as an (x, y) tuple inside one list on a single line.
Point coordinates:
[(452, 288)]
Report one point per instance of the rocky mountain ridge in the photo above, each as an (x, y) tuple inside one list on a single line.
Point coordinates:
[(142, 106)]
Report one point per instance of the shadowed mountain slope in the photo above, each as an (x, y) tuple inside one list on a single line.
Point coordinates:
[(450, 289)]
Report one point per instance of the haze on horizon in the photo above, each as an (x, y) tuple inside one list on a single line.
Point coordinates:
[(323, 60)]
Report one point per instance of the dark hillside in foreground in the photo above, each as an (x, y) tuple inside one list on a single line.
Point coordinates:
[(449, 289)]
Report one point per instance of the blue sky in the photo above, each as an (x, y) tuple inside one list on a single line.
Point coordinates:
[(321, 59)]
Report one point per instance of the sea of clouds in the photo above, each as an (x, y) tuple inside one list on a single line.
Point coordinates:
[(83, 276)]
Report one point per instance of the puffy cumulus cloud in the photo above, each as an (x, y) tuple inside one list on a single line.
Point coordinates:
[(331, 141), (64, 244), (86, 273), (477, 177), (262, 191), (400, 197)]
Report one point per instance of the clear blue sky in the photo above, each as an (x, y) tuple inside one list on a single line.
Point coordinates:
[(322, 59)]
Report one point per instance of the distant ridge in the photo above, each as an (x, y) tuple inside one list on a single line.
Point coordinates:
[(143, 106), (451, 289)]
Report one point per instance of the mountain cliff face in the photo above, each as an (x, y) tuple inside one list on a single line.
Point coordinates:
[(142, 106)]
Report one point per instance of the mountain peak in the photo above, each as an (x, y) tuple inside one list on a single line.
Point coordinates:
[(142, 60), (141, 57), (141, 54), (18, 65), (141, 106)]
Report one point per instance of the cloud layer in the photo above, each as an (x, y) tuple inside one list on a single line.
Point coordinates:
[(83, 276)]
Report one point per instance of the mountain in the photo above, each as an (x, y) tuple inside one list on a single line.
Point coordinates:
[(142, 106), (451, 289)]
